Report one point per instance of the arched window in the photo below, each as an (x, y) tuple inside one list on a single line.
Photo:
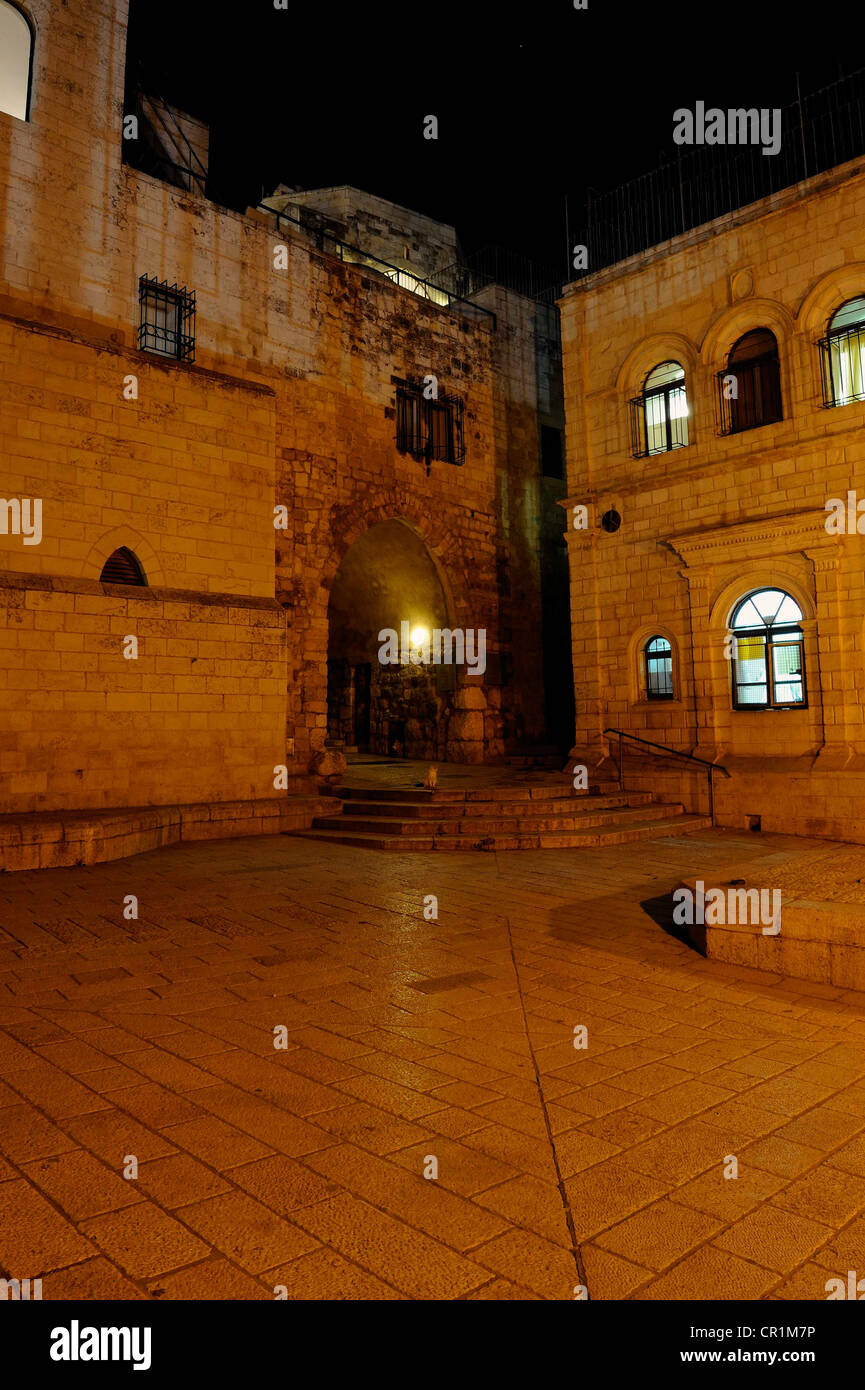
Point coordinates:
[(842, 355), (768, 657), (750, 388), (123, 567), (658, 657), (659, 417), (16, 60)]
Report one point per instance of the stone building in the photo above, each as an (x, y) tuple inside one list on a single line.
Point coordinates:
[(222, 422), (715, 403)]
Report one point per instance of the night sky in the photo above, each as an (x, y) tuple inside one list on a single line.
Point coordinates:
[(535, 100)]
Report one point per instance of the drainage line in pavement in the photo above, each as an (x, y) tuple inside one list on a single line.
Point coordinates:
[(575, 1245)]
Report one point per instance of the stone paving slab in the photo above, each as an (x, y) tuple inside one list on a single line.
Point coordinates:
[(426, 1128)]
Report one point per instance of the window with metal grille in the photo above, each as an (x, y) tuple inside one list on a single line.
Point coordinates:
[(768, 657), (749, 390), (658, 656), (429, 429), (842, 355), (166, 322), (659, 416), (123, 567)]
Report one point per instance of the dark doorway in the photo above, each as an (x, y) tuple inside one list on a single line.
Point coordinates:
[(360, 676), (387, 582)]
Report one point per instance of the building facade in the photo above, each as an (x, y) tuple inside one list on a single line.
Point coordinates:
[(715, 403), (221, 423)]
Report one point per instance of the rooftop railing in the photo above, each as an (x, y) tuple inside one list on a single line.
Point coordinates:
[(818, 132), (324, 240)]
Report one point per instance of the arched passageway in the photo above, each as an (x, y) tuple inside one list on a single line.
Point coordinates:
[(387, 581)]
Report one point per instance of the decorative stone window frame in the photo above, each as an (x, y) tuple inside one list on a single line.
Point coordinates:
[(789, 551), (648, 354), (638, 696), (815, 313), (745, 317)]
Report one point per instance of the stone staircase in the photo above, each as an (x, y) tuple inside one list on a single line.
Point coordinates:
[(498, 818)]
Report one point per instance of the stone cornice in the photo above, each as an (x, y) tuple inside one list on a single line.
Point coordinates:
[(774, 535)]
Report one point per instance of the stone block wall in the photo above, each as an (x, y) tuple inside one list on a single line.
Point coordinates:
[(703, 525), (198, 715), (290, 402)]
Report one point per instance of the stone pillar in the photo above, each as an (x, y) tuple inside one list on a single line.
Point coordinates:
[(466, 732), (833, 645), (588, 656), (709, 667)]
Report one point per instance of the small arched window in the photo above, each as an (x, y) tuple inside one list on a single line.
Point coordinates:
[(842, 355), (768, 657), (659, 416), (123, 567), (658, 656), (750, 388), (16, 61)]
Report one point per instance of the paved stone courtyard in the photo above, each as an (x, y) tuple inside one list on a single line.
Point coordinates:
[(410, 1039)]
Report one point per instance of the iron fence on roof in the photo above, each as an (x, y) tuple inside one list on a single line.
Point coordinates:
[(818, 132)]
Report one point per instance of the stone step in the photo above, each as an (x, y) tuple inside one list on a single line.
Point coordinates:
[(461, 810), (495, 825), (590, 838), (456, 796)]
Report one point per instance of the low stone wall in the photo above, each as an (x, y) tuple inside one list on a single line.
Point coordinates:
[(822, 941), (61, 841), (790, 796)]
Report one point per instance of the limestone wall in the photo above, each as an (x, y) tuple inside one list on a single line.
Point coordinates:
[(705, 524), (196, 715), (290, 403)]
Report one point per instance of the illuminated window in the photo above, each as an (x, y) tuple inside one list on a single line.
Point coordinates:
[(659, 669), (842, 355), (166, 319), (768, 658), (16, 62), (429, 429), (659, 416), (750, 387), (123, 567)]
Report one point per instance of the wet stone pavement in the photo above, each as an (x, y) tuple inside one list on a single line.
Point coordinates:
[(413, 1045)]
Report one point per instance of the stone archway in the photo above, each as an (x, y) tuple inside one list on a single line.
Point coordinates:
[(386, 580)]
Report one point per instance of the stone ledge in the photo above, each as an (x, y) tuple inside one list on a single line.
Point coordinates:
[(821, 941), (54, 840), (72, 584)]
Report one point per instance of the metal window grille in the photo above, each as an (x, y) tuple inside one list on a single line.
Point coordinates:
[(123, 567), (166, 319), (430, 429), (659, 669), (749, 394), (409, 434), (842, 366), (659, 420)]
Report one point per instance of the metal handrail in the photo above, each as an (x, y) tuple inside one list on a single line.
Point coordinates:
[(673, 753), (371, 262)]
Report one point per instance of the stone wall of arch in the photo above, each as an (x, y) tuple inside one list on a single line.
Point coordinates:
[(463, 550)]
